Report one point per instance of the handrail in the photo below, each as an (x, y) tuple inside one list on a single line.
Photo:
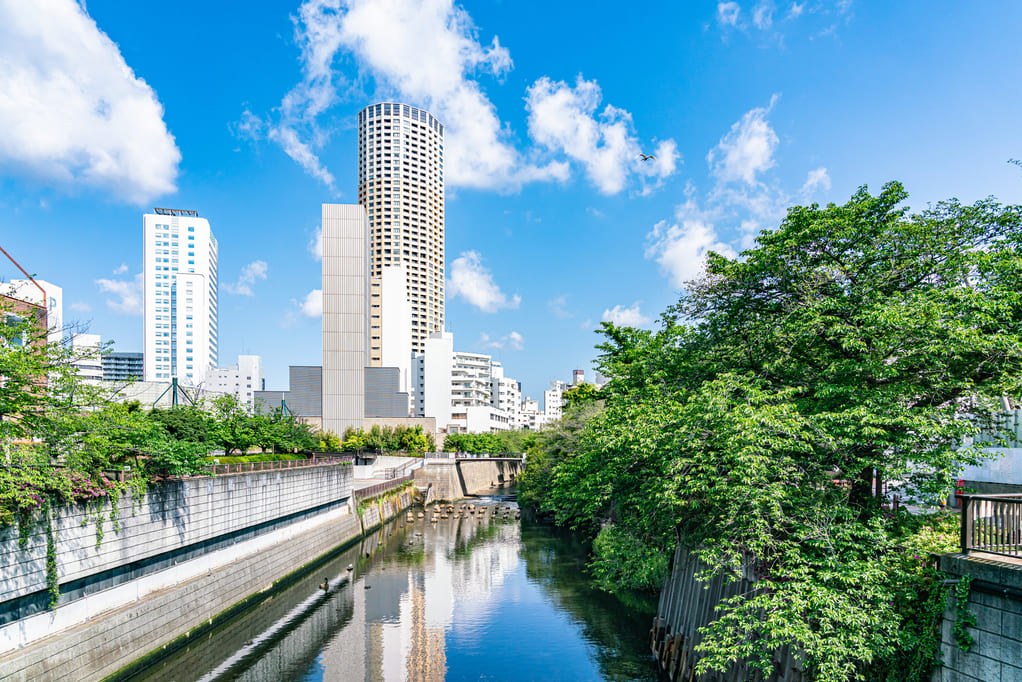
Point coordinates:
[(991, 524), (245, 467), (377, 488)]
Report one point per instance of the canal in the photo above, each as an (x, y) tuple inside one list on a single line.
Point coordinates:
[(473, 596)]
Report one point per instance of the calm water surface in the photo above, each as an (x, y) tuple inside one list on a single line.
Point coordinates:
[(460, 599)]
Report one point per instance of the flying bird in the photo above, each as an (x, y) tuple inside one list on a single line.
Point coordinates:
[(647, 157)]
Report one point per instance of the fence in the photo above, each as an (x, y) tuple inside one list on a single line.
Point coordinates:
[(378, 488), (992, 524), (217, 469)]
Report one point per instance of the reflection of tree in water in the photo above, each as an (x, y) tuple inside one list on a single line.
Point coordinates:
[(555, 560)]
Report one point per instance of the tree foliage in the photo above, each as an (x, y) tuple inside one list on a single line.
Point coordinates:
[(852, 345)]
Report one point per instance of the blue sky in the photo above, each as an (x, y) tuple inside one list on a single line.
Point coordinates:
[(553, 223)]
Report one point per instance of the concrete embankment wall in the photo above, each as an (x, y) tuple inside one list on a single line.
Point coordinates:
[(293, 517), (995, 599), (454, 479), (377, 512), (686, 605)]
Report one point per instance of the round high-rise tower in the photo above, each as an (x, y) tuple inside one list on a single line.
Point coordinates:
[(401, 186)]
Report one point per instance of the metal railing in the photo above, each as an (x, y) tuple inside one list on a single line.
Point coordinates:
[(992, 524), (378, 488), (245, 467)]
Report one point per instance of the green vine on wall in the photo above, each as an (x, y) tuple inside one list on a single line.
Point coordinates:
[(363, 505), (52, 579), (964, 619)]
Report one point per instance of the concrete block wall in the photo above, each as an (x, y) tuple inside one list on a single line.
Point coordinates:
[(454, 479), (381, 511), (173, 515), (114, 640), (995, 599)]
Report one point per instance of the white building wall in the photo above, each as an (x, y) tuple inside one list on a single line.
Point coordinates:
[(88, 349), (180, 298), (396, 317), (241, 380), (345, 316), (434, 399), (26, 290)]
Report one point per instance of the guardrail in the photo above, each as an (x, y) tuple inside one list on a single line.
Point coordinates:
[(246, 467), (992, 524), (378, 488)]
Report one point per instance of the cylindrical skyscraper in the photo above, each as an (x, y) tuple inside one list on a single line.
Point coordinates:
[(401, 185)]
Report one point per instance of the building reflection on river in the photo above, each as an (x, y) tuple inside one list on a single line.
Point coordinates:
[(424, 602)]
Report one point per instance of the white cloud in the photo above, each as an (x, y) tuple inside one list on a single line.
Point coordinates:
[(626, 317), (796, 10), (558, 306), (817, 179), (513, 341), (595, 212), (129, 293), (312, 306), (565, 120), (727, 13), (474, 283), (80, 307), (763, 15), (254, 271), (316, 244), (388, 39), (747, 149), (72, 111), (121, 269), (680, 247)]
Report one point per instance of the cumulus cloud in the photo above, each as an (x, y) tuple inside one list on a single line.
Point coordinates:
[(315, 245), (728, 13), (513, 341), (121, 269), (128, 293), (250, 274), (817, 179), (626, 317), (747, 149), (680, 246), (312, 305), (473, 282), (565, 119), (388, 39), (558, 306), (72, 111)]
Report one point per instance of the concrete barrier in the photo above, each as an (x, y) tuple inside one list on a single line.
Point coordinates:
[(453, 479)]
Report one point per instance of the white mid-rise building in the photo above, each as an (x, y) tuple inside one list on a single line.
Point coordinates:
[(401, 186), (35, 291), (390, 328), (470, 380), (241, 380), (553, 400), (87, 351), (433, 370), (506, 394), (180, 296), (531, 417)]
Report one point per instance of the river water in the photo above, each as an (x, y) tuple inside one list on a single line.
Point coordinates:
[(472, 597)]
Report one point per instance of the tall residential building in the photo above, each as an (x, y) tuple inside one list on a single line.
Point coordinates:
[(401, 186), (180, 296), (505, 394), (241, 380)]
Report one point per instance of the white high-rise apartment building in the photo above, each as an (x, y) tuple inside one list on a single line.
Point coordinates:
[(553, 400), (401, 185), (180, 296), (505, 394)]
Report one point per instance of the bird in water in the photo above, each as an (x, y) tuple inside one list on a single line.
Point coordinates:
[(351, 567), (325, 585)]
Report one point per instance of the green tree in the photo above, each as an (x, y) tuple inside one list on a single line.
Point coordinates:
[(414, 440), (583, 393), (852, 345), (230, 424), (187, 423)]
